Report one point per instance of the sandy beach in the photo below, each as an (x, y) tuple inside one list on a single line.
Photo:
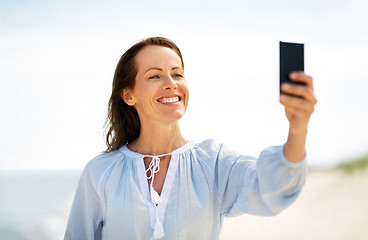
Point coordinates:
[(333, 205)]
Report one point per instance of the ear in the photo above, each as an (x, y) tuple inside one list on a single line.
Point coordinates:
[(126, 95)]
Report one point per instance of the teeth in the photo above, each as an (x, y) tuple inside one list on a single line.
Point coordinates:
[(169, 100)]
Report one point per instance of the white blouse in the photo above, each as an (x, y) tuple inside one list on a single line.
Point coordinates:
[(204, 183)]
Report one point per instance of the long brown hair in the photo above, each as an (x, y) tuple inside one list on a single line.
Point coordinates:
[(122, 123)]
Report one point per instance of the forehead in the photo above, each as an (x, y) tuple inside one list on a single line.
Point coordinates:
[(157, 56)]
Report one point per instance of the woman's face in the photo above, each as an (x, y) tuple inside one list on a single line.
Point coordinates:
[(160, 91)]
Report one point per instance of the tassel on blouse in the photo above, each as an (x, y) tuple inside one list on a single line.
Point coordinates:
[(154, 167), (158, 232)]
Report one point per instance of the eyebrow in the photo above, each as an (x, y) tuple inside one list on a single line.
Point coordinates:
[(160, 69)]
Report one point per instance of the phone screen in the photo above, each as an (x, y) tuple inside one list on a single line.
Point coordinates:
[(291, 59)]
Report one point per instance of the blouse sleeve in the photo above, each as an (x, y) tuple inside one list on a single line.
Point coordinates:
[(263, 186), (86, 213)]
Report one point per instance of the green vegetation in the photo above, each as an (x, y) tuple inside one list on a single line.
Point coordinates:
[(354, 165)]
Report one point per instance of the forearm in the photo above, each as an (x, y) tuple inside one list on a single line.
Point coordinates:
[(294, 149)]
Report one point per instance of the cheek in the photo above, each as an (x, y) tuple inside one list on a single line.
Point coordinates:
[(184, 86), (144, 92), (185, 90)]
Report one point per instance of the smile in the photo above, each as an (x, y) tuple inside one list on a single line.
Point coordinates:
[(169, 99)]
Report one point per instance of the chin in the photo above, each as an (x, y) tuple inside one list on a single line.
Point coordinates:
[(175, 116)]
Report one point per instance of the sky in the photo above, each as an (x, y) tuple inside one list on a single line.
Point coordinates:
[(58, 58)]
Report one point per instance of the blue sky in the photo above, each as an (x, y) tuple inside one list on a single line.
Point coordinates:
[(58, 60)]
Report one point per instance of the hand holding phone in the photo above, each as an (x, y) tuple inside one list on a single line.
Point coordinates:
[(297, 97)]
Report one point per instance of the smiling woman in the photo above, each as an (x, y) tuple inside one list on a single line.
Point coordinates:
[(160, 92), (123, 120), (152, 183)]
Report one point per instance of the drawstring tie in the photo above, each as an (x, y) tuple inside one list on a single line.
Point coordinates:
[(153, 168)]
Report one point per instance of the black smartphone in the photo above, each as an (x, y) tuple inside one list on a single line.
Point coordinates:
[(291, 59)]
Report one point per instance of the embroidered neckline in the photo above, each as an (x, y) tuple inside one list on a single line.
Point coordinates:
[(177, 151), (156, 203)]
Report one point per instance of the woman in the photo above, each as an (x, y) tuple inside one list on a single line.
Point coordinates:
[(151, 183)]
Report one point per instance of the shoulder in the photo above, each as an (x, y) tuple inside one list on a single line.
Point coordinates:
[(99, 166), (207, 148), (104, 159), (210, 149)]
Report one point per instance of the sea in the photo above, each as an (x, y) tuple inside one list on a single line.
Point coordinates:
[(35, 204)]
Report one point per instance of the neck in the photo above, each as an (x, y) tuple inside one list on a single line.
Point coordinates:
[(156, 139)]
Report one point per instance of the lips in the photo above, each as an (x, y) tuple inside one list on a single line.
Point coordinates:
[(169, 99)]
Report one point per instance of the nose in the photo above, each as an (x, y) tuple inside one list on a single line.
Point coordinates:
[(170, 83)]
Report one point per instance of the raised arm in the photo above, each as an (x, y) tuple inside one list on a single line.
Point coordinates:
[(299, 102)]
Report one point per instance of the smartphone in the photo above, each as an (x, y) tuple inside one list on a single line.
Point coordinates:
[(291, 59)]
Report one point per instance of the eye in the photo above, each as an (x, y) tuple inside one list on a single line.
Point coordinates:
[(177, 75), (154, 77)]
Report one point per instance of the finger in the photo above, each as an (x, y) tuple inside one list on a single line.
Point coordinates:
[(296, 103), (301, 77), (300, 91)]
